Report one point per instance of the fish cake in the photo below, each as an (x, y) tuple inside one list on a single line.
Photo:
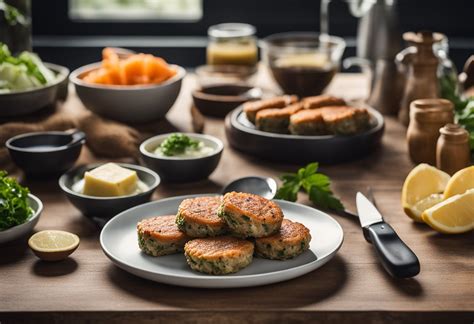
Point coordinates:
[(308, 122), (197, 217), (159, 236), (322, 101), (249, 215), (276, 120), (251, 108), (292, 240), (345, 120), (218, 255)]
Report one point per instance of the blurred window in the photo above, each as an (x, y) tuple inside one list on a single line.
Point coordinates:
[(135, 10)]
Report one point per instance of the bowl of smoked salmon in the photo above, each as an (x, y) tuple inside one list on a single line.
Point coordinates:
[(130, 88)]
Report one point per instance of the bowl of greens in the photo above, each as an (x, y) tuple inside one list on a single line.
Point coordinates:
[(182, 157), (27, 84), (19, 210)]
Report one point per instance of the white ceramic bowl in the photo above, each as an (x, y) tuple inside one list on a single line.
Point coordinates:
[(25, 228), (128, 104)]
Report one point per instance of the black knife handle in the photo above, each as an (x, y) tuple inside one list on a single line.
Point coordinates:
[(395, 255)]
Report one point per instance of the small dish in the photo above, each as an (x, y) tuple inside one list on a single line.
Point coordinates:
[(178, 169), (100, 209), (21, 230), (45, 154), (128, 104), (18, 103), (218, 100), (225, 74)]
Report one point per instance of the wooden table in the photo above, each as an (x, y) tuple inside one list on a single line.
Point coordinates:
[(351, 288)]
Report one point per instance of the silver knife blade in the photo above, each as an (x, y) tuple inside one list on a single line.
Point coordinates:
[(368, 213)]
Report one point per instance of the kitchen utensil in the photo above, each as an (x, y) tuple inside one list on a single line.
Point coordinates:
[(326, 149), (262, 186), (119, 242), (46, 154), (179, 169), (395, 256)]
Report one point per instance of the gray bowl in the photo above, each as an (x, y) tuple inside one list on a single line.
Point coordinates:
[(175, 169), (128, 104), (101, 209), (21, 230), (25, 102)]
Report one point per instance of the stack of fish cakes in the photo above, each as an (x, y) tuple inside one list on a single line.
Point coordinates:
[(220, 234), (318, 115)]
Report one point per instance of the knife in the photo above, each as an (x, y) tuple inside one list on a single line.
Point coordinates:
[(395, 256)]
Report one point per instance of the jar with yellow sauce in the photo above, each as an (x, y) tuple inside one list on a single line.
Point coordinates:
[(232, 44)]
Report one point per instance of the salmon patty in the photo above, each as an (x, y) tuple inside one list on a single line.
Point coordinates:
[(276, 120), (307, 122), (345, 120), (159, 236), (322, 101), (218, 255), (249, 215), (197, 217), (251, 108), (292, 240)]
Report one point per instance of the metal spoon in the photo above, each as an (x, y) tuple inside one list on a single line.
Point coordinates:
[(262, 186)]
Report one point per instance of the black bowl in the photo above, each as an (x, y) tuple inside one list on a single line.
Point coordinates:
[(101, 209), (174, 169), (46, 154)]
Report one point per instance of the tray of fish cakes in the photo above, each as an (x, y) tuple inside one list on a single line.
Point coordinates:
[(321, 128), (214, 241)]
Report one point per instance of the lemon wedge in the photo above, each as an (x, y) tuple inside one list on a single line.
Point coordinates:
[(460, 182), (422, 189), (452, 216), (53, 245)]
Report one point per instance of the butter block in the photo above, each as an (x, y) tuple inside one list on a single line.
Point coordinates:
[(110, 180)]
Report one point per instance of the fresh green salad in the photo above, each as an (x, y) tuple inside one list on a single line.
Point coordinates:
[(176, 144), (463, 107), (25, 71), (14, 208)]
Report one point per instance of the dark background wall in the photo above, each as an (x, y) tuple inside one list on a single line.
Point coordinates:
[(61, 40)]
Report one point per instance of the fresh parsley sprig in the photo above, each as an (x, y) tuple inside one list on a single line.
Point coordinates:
[(177, 144), (316, 185)]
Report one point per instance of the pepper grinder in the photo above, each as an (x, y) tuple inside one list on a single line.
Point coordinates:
[(452, 150), (422, 63)]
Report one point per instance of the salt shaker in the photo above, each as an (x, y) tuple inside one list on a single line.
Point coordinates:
[(427, 116), (452, 150)]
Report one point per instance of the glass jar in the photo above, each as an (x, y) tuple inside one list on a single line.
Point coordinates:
[(232, 44), (427, 116), (15, 25)]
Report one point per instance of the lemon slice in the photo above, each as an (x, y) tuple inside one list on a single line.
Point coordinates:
[(422, 189), (53, 245), (453, 215), (461, 181)]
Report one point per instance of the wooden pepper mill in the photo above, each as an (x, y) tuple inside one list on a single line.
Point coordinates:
[(427, 117), (422, 79), (452, 151)]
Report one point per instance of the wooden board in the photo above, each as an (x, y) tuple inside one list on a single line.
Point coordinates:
[(352, 288)]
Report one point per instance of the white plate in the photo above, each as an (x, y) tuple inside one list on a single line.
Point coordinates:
[(119, 242)]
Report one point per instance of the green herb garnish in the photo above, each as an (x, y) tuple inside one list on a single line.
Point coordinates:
[(12, 15), (14, 208), (316, 185), (463, 108), (177, 143)]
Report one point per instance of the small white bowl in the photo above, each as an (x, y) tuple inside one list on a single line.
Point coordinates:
[(127, 103), (25, 228)]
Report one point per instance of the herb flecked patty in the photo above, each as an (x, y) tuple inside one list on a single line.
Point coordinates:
[(197, 217), (249, 215), (159, 236), (292, 240), (218, 255)]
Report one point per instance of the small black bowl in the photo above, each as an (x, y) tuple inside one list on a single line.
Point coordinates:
[(218, 100), (101, 209), (46, 154), (175, 169)]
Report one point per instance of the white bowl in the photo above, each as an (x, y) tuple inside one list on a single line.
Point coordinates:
[(25, 228), (127, 103)]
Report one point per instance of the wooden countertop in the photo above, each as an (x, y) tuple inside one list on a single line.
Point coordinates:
[(351, 288)]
